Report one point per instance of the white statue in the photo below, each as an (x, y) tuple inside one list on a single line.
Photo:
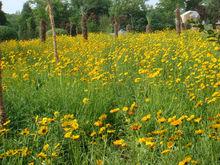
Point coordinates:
[(190, 15)]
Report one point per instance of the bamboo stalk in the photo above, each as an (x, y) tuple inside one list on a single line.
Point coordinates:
[(53, 30), (178, 21)]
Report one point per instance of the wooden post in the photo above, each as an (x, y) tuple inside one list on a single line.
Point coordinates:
[(50, 10), (178, 21), (116, 27), (148, 27), (2, 111)]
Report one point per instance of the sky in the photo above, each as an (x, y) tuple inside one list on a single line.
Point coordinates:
[(11, 6)]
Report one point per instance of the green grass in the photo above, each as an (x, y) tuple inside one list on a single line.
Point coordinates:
[(43, 95)]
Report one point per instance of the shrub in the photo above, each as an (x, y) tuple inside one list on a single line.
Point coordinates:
[(7, 33), (58, 32), (93, 26)]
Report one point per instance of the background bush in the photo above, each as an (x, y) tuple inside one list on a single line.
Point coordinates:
[(58, 32), (7, 33)]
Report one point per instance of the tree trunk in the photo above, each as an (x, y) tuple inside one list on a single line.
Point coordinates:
[(84, 26), (116, 28), (43, 30), (73, 30), (148, 28), (2, 112), (53, 30), (178, 21), (129, 28)]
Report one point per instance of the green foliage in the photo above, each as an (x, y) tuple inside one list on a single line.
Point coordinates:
[(7, 33), (93, 26), (40, 9), (211, 35), (58, 32), (105, 24), (192, 5), (3, 19), (68, 13), (27, 26), (213, 7)]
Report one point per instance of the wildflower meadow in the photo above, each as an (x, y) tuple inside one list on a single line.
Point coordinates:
[(139, 99)]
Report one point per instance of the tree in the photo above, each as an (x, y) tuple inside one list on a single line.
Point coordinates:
[(86, 8), (213, 11), (123, 9), (163, 16), (27, 28), (50, 11), (3, 19), (192, 4), (41, 17)]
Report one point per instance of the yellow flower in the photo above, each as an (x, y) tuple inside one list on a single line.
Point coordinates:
[(217, 48), (159, 113), (98, 123), (161, 120), (133, 106), (137, 80), (93, 134), (146, 118), (176, 122), (26, 76), (42, 155), (85, 101), (111, 131), (216, 94), (170, 144), (7, 123), (199, 132), (43, 130), (185, 161), (171, 119), (114, 110), (73, 124), (150, 144), (145, 139), (68, 135), (56, 114), (215, 126), (159, 132), (102, 129), (197, 120), (75, 137), (190, 118), (54, 154), (68, 117), (31, 163), (198, 104), (45, 121), (103, 117), (46, 147), (165, 151), (125, 109), (120, 143), (99, 162), (135, 127), (216, 85), (147, 100), (25, 132), (14, 75)]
